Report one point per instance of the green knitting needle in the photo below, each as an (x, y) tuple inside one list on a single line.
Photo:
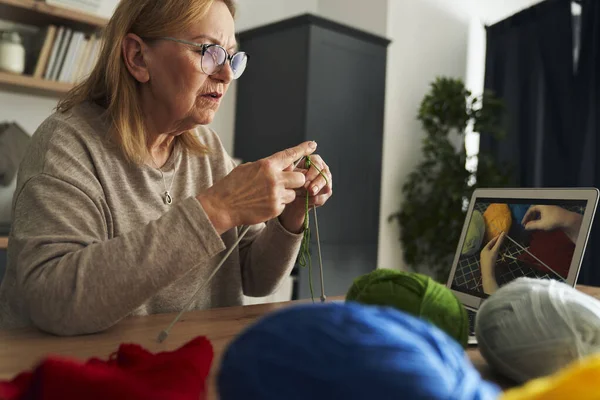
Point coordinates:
[(305, 256)]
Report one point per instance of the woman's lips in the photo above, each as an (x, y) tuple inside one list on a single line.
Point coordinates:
[(214, 96)]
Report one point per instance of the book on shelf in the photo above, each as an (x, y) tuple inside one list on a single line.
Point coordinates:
[(70, 56), (62, 52), (43, 58), (80, 57), (65, 55), (54, 53)]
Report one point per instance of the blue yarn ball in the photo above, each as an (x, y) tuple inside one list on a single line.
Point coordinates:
[(347, 351), (519, 211)]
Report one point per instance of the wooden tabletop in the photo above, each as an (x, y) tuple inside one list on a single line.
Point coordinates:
[(21, 349)]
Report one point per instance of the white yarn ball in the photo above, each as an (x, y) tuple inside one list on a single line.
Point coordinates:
[(533, 327)]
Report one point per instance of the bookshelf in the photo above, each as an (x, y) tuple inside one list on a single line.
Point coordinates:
[(31, 85), (39, 13)]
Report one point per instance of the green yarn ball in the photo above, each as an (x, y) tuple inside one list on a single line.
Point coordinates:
[(415, 294)]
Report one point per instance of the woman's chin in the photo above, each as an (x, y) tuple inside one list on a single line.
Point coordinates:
[(204, 117)]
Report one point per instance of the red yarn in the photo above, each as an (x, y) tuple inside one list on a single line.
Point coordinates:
[(554, 248), (130, 373)]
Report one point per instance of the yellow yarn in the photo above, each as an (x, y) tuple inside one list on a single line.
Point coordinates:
[(497, 219), (578, 381), (475, 235)]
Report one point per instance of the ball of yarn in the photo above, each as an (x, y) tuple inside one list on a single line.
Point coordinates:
[(579, 380), (497, 219), (534, 327), (347, 351), (475, 234), (518, 211), (365, 280), (416, 294)]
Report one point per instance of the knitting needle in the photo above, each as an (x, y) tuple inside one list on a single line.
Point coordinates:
[(165, 333), (540, 261), (509, 256), (323, 297)]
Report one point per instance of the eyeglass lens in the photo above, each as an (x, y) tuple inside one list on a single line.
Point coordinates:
[(215, 57)]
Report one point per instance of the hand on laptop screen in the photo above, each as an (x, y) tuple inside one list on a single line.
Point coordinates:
[(509, 239), (548, 218)]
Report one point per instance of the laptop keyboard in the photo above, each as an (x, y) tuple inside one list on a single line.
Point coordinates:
[(471, 315)]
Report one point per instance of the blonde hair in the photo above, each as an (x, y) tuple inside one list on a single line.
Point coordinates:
[(112, 86)]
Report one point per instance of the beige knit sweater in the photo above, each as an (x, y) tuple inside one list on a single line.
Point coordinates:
[(93, 242)]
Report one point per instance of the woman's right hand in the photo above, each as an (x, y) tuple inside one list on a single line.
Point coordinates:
[(255, 192)]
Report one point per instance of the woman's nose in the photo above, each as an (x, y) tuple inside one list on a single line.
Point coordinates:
[(225, 74)]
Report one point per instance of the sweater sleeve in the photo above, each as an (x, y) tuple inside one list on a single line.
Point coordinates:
[(268, 254), (77, 280)]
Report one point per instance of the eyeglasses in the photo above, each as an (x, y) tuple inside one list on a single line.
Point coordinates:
[(214, 58)]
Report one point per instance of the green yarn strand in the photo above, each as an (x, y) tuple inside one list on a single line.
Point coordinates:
[(304, 258)]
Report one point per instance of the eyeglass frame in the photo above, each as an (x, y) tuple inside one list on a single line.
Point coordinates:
[(204, 47)]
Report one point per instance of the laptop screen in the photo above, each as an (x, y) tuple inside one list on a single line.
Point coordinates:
[(539, 241)]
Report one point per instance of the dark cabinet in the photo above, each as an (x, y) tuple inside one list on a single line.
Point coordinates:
[(309, 78)]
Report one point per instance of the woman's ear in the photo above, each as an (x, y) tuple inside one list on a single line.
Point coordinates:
[(135, 55)]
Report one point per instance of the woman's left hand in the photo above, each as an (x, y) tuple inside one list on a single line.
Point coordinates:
[(319, 191)]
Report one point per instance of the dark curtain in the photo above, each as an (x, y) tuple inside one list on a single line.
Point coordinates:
[(529, 65), (587, 123), (551, 102)]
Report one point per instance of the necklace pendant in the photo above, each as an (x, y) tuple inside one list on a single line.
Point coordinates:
[(168, 198)]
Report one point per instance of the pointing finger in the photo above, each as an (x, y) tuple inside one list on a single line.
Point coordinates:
[(287, 157)]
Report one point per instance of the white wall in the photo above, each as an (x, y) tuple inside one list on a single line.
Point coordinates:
[(428, 39), (254, 13), (370, 16)]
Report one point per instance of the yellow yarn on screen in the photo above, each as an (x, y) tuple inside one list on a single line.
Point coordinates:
[(578, 381), (475, 234), (497, 219)]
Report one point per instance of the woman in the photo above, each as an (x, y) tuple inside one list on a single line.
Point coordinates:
[(126, 202)]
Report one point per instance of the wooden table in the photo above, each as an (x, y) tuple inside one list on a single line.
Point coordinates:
[(21, 349)]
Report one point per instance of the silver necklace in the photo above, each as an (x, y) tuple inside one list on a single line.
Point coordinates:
[(168, 199)]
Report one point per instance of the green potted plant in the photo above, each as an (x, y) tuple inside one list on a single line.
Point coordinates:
[(436, 193)]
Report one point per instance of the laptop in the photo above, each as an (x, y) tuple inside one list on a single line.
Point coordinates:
[(558, 225)]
